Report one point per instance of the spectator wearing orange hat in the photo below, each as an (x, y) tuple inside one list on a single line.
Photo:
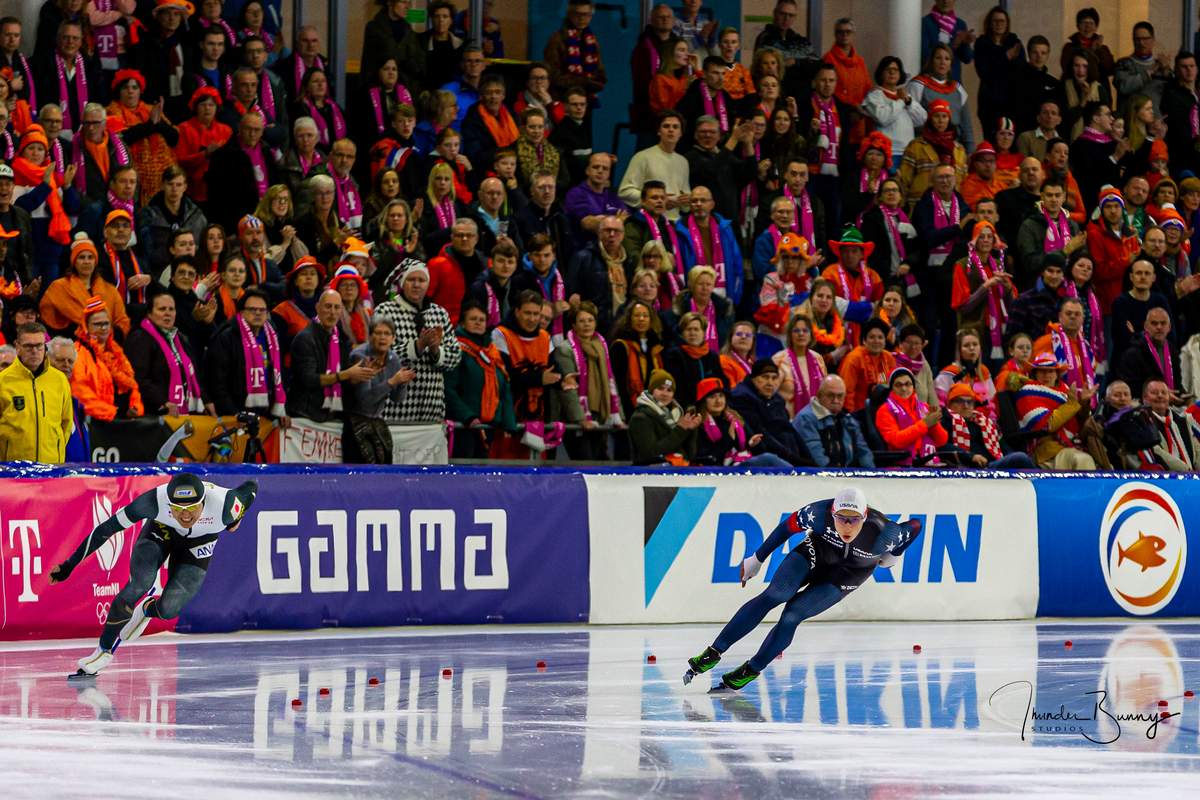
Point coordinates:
[(65, 299), (1113, 244), (1159, 164), (982, 291), (199, 137), (145, 129), (48, 201), (119, 263), (937, 145), (982, 181), (784, 288), (974, 437), (861, 185), (299, 307), (349, 284), (103, 380)]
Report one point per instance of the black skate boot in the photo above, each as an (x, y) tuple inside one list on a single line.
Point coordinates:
[(701, 664), (739, 678)]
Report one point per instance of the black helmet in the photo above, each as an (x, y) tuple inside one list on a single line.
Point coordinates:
[(185, 489)]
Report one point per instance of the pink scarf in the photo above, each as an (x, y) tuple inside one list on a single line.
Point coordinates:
[(830, 127), (710, 333), (266, 96), (105, 37), (581, 364), (656, 235), (256, 370), (261, 33), (333, 363), (202, 81), (376, 95), (259, 163), (558, 293), (445, 212), (184, 390), (997, 311), (906, 420), (718, 252), (229, 34), (19, 56), (892, 217), (750, 193), (1058, 233), (715, 108), (844, 281), (305, 164), (655, 57), (81, 88), (804, 390), (1193, 119), (802, 216), (117, 203), (493, 306), (943, 220), (776, 235), (1090, 134), (736, 454), (1164, 361), (946, 24), (339, 122), (1096, 337), (349, 203)]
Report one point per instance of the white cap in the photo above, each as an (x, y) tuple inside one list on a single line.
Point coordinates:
[(850, 499)]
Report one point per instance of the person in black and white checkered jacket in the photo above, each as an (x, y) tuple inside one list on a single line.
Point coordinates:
[(425, 341)]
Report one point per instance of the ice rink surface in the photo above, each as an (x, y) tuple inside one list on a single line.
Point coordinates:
[(1001, 708)]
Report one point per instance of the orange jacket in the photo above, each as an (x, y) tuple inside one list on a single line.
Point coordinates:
[(974, 188), (738, 82), (93, 386), (193, 139), (861, 371), (1112, 255), (666, 91), (899, 438), (62, 304), (853, 79)]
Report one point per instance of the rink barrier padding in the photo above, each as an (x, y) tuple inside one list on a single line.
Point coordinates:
[(378, 546)]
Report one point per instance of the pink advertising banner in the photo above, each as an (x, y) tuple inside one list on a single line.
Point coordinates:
[(41, 522)]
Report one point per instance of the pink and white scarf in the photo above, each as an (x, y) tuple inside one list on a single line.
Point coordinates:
[(377, 103), (184, 388), (117, 204), (557, 293), (581, 364), (444, 210), (997, 311), (943, 219), (105, 37), (805, 382), (710, 332), (20, 57), (339, 122), (306, 164), (259, 164), (120, 157), (892, 219), (656, 235), (1090, 134), (349, 203), (847, 290), (333, 363), (1058, 232), (945, 23), (925, 446), (81, 89), (256, 370), (715, 107), (802, 216), (718, 252), (830, 127), (493, 306), (266, 97), (865, 184)]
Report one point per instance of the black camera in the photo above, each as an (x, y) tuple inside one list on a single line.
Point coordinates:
[(249, 421)]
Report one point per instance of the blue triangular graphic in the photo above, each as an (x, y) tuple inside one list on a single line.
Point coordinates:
[(671, 533)]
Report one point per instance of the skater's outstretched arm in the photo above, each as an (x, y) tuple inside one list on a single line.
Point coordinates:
[(798, 522), (900, 536), (237, 503), (144, 506)]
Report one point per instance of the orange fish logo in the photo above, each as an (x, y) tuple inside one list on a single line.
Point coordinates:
[(1143, 552)]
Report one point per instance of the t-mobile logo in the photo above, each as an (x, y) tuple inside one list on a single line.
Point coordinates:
[(28, 563)]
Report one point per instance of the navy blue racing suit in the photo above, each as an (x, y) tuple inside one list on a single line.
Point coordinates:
[(824, 566)]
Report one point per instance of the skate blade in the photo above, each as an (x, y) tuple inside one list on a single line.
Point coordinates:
[(721, 688), (687, 676), (80, 675)]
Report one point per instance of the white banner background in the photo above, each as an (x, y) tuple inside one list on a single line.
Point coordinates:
[(1006, 585), (308, 442)]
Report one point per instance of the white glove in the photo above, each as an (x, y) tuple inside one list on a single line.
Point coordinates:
[(887, 560), (750, 568)]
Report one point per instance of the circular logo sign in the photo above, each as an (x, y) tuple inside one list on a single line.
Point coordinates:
[(1143, 548)]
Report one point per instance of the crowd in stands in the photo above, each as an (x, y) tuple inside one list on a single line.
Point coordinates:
[(815, 259)]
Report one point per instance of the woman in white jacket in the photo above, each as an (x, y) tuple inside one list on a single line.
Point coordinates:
[(896, 113)]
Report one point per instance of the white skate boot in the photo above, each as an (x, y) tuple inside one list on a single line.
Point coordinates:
[(137, 622), (92, 664)]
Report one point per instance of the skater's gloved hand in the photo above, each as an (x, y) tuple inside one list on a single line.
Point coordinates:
[(60, 573), (750, 568)]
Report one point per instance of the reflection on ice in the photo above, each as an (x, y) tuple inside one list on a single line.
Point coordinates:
[(985, 708)]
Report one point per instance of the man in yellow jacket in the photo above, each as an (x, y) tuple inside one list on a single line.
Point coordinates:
[(36, 418)]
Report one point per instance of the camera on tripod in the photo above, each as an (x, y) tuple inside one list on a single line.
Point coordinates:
[(249, 421)]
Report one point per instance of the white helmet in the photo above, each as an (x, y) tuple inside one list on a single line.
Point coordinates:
[(850, 499)]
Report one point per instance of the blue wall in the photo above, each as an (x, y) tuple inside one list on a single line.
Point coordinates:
[(616, 47)]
